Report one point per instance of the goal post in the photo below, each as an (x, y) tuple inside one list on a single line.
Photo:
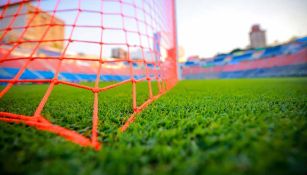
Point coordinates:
[(68, 42)]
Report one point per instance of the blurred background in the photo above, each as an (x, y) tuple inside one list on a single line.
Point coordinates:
[(242, 38), (215, 39)]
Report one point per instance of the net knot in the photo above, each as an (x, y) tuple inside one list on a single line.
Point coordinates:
[(31, 59), (55, 81), (14, 81), (95, 90), (136, 109)]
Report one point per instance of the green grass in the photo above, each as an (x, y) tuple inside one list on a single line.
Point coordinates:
[(251, 126)]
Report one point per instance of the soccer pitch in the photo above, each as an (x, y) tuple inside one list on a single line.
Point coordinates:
[(244, 126)]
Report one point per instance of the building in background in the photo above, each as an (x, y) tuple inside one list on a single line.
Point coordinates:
[(156, 46), (257, 37), (142, 54), (119, 53), (38, 21), (181, 54)]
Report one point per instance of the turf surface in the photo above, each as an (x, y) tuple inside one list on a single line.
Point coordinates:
[(251, 126)]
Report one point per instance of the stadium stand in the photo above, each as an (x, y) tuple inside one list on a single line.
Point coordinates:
[(287, 60), (71, 71), (283, 60)]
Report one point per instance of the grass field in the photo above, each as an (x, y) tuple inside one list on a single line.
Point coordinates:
[(249, 126)]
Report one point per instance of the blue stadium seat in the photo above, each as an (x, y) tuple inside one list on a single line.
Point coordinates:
[(49, 52), (272, 52), (239, 58), (8, 73)]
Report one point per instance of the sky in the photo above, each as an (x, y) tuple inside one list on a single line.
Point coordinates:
[(208, 27)]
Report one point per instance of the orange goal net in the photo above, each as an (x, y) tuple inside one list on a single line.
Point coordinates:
[(68, 42)]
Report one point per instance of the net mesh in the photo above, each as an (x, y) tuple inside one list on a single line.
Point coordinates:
[(67, 42)]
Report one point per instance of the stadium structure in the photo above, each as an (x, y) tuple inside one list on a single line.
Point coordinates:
[(286, 60)]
